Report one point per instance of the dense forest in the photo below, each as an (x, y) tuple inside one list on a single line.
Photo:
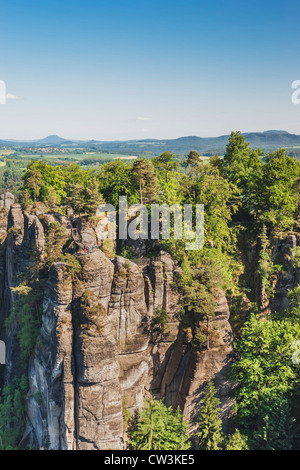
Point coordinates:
[(247, 195)]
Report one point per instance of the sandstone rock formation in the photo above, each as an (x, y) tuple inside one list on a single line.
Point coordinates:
[(99, 348), (6, 200)]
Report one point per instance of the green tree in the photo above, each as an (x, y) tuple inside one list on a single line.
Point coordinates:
[(236, 441), (116, 180), (75, 197), (41, 178), (193, 159), (12, 416), (162, 320), (243, 167), (159, 428), (293, 310), (24, 199), (240, 160), (221, 200), (56, 238), (169, 178), (216, 162), (209, 432), (276, 429), (277, 195), (33, 178), (264, 373), (53, 199), (146, 179), (93, 198)]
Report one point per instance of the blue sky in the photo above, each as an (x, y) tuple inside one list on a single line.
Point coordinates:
[(134, 69)]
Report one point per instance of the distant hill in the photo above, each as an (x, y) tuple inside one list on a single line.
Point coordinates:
[(51, 140), (267, 140)]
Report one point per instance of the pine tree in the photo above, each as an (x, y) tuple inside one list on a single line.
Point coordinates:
[(93, 197), (236, 441), (146, 178), (159, 428), (34, 181), (53, 200), (24, 199), (276, 430), (56, 238), (210, 433), (193, 159), (216, 162), (75, 197)]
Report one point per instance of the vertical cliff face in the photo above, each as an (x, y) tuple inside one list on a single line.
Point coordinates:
[(51, 400), (25, 236), (288, 276), (99, 347), (280, 270)]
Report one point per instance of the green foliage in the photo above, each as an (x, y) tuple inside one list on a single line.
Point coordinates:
[(56, 238), (265, 264), (126, 414), (94, 313), (108, 248), (24, 199), (73, 265), (296, 257), (24, 321), (162, 320), (276, 428), (242, 166), (268, 188), (159, 428), (26, 315), (12, 414), (216, 162), (199, 300), (116, 180), (220, 198), (236, 441), (29, 327), (11, 176), (193, 159), (75, 197), (127, 252), (292, 312), (209, 431), (146, 180), (169, 178), (201, 275), (15, 231), (68, 185), (277, 196), (39, 178), (93, 198), (264, 373)]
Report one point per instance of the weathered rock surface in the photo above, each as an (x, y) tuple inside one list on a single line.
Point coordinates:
[(99, 348), (7, 200), (289, 276)]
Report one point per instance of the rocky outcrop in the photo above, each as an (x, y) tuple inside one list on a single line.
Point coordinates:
[(25, 236), (51, 399), (288, 275), (6, 200), (280, 269), (212, 364), (99, 347)]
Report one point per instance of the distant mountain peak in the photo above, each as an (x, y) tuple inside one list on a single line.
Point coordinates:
[(51, 139), (276, 132)]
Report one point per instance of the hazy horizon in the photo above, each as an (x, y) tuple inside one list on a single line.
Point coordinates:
[(137, 139)]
